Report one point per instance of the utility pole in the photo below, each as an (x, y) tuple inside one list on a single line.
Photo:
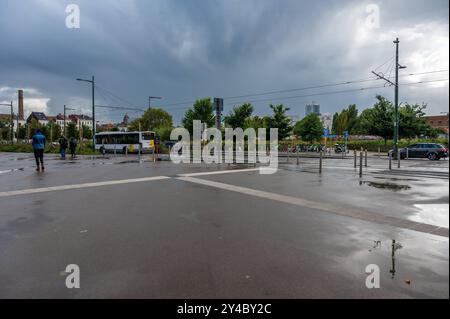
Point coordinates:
[(396, 113), (93, 108), (150, 100), (66, 108), (218, 103)]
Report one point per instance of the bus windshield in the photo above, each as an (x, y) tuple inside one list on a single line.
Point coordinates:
[(148, 136)]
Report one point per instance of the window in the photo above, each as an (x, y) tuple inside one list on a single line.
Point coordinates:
[(148, 136)]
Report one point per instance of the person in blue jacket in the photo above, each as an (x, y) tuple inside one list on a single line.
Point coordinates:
[(38, 144)]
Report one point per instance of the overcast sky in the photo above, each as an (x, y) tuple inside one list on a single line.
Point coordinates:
[(187, 49)]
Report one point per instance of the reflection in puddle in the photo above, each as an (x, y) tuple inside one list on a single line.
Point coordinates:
[(387, 185), (434, 214), (394, 247)]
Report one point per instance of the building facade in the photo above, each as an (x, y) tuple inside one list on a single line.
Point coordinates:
[(439, 122), (312, 108)]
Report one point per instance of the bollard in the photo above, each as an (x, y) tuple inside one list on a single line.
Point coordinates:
[(115, 152), (407, 153), (320, 163), (126, 151), (288, 154), (360, 164), (298, 159), (153, 154), (365, 158), (355, 157), (139, 153), (390, 160), (379, 151), (398, 158)]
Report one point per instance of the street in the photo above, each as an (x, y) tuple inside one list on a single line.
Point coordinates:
[(160, 230)]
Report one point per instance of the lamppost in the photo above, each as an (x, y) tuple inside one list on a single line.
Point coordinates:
[(12, 121), (154, 98), (93, 108)]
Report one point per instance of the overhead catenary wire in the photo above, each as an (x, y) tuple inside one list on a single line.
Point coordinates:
[(190, 102)]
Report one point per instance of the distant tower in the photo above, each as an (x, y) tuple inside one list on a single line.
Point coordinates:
[(20, 97), (312, 108), (126, 119)]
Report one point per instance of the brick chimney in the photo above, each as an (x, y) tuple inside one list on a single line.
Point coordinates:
[(21, 105)]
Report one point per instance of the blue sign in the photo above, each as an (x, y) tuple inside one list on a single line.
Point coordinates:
[(346, 133), (325, 132)]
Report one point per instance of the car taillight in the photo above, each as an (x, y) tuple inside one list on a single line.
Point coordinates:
[(443, 150)]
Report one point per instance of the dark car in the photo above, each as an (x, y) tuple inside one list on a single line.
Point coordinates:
[(431, 151)]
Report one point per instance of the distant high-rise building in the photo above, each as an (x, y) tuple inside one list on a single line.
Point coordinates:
[(312, 108)]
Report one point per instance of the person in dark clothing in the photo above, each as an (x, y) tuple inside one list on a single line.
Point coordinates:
[(38, 145), (62, 146), (73, 147)]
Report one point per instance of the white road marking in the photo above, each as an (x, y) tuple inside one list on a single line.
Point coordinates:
[(78, 186), (330, 208), (220, 172)]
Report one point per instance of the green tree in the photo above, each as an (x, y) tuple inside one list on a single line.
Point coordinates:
[(72, 130), (33, 125), (152, 119), (412, 121), (346, 120), (280, 120), (257, 122), (309, 128), (238, 116), (87, 132), (335, 122), (202, 110), (22, 132), (378, 120)]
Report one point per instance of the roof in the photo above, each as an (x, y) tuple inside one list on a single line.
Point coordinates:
[(39, 116), (80, 117)]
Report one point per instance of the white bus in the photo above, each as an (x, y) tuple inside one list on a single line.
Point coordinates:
[(125, 141)]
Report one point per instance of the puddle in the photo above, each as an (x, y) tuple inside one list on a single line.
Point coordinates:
[(388, 186), (434, 214), (398, 179)]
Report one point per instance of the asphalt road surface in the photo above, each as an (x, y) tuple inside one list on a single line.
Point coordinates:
[(160, 230)]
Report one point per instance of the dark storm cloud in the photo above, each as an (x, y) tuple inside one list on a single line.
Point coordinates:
[(183, 50)]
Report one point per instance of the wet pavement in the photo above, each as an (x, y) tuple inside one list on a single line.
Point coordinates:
[(175, 238)]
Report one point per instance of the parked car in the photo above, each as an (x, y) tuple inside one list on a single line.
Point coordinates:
[(432, 151)]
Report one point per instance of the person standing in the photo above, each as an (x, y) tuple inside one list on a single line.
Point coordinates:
[(62, 146), (38, 145), (73, 147)]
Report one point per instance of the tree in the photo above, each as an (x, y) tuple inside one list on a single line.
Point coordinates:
[(202, 110), (238, 116), (280, 120), (412, 121), (152, 119), (378, 120), (257, 122), (33, 126), (346, 120), (334, 123), (72, 130), (310, 128), (87, 132)]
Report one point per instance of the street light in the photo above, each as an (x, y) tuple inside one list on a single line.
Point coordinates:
[(154, 98), (93, 108), (12, 120)]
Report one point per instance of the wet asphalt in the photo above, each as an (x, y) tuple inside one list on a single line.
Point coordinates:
[(175, 239)]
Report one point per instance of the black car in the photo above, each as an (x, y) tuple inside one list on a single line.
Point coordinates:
[(431, 151)]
